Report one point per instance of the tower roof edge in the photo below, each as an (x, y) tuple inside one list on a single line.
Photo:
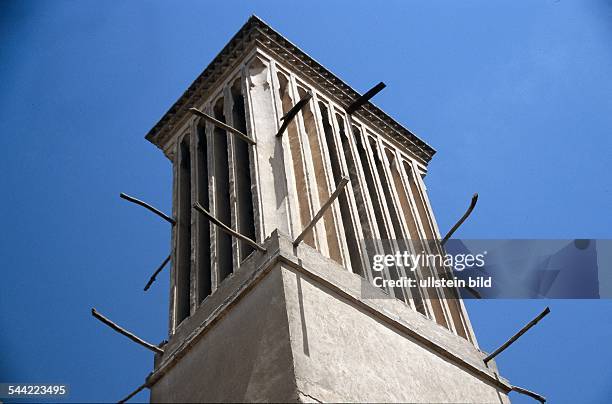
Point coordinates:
[(256, 32)]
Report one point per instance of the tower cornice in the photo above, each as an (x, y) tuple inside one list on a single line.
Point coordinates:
[(256, 33)]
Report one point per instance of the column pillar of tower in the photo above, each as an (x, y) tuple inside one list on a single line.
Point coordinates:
[(273, 210)]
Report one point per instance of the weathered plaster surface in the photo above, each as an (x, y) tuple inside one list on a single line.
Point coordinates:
[(244, 357), (291, 326), (344, 354)]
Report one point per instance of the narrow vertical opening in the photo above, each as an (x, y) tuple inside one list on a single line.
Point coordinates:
[(419, 202), (370, 190), (358, 192), (350, 233), (222, 195), (451, 293), (411, 226), (395, 223), (203, 245), (372, 195), (319, 177), (183, 267), (295, 147), (388, 202), (244, 195), (428, 272)]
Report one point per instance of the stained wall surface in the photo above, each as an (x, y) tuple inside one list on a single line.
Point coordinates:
[(296, 329), (343, 354)]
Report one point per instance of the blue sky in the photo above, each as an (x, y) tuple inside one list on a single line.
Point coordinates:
[(516, 96)]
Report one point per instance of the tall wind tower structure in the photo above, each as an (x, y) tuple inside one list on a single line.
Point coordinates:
[(282, 173)]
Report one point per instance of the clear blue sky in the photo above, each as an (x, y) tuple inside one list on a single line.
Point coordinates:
[(516, 96)]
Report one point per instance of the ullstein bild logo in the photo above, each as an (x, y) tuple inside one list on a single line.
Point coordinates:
[(494, 269)]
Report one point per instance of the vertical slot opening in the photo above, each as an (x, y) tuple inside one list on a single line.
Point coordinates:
[(319, 178), (203, 245), (370, 190), (183, 267), (349, 230), (428, 272), (360, 201), (372, 195), (388, 201), (410, 223), (451, 293), (222, 195), (244, 195)]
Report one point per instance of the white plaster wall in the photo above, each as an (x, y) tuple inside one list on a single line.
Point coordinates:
[(342, 354), (244, 357)]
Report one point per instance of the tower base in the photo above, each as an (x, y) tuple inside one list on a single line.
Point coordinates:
[(291, 326)]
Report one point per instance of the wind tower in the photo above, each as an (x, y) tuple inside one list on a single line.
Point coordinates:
[(281, 171)]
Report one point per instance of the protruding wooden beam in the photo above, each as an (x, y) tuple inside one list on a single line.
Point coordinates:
[(226, 229), (157, 271), (473, 291), (288, 117), (529, 393), (517, 335), (151, 208), (355, 105), (321, 212), (222, 125), (460, 222), (128, 334)]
